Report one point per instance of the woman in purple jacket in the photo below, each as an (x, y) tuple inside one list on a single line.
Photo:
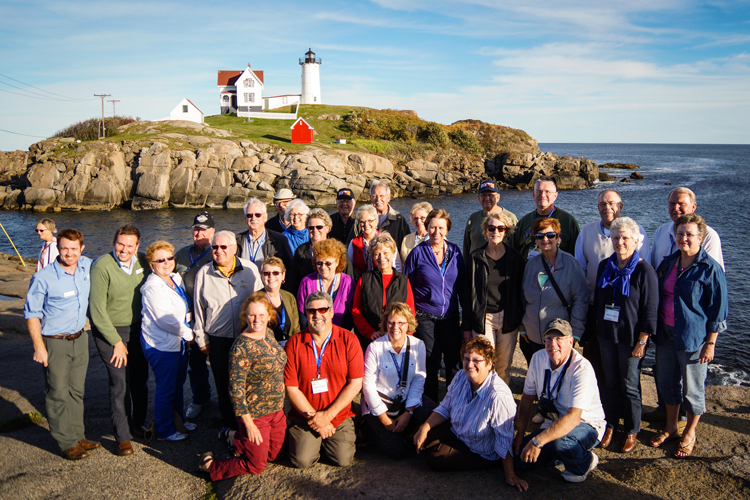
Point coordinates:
[(437, 275)]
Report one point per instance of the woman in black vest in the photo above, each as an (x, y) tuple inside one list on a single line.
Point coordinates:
[(377, 289)]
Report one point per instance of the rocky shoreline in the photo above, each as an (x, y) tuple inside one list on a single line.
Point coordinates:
[(186, 170)]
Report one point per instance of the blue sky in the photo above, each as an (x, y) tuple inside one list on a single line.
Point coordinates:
[(673, 71)]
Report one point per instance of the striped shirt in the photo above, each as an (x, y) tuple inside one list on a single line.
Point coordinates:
[(484, 423)]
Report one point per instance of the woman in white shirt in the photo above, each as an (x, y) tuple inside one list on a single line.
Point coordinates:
[(393, 404), (46, 230), (166, 326)]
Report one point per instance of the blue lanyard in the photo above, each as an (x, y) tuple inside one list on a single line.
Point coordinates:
[(601, 225), (193, 261), (550, 214), (395, 362), (183, 295), (251, 254), (334, 290), (319, 359), (282, 322), (445, 260)]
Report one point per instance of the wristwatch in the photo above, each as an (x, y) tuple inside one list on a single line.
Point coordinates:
[(642, 342), (535, 443), (410, 412)]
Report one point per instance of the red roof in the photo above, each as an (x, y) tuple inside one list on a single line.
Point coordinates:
[(196, 107), (230, 77)]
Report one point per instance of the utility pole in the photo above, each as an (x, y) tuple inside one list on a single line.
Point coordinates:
[(101, 129), (113, 101)]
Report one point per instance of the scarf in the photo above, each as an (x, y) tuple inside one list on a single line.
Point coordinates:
[(612, 274), (296, 237)]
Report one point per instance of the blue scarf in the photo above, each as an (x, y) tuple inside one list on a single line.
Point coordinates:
[(612, 274), (296, 237)]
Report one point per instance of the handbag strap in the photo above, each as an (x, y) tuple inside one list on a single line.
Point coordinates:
[(405, 367), (557, 288)]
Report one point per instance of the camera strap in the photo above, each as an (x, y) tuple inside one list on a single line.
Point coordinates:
[(403, 370), (557, 289), (546, 391)]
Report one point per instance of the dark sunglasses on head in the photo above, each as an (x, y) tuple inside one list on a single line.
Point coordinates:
[(499, 229), (319, 228), (320, 310), (549, 236), (250, 216), (216, 247), (268, 274), (161, 261)]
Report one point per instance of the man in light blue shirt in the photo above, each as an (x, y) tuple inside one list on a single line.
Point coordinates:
[(55, 313)]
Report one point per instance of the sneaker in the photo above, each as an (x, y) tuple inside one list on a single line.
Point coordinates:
[(177, 436), (193, 410), (572, 478), (190, 426), (538, 419)]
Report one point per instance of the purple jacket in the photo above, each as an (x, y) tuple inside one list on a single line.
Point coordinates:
[(434, 293), (342, 303)]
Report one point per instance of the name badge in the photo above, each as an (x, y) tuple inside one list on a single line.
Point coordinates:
[(319, 385), (612, 313), (71, 293), (533, 253), (139, 271)]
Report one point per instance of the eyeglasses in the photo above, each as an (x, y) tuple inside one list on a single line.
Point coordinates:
[(539, 192), (378, 196), (473, 361), (40, 230), (319, 228), (499, 229), (162, 261), (688, 236), (420, 219), (223, 247), (549, 236), (294, 216), (605, 204), (250, 216), (268, 274), (319, 310), (399, 324), (367, 222), (327, 263)]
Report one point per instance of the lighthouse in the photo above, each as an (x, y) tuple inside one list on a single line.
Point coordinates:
[(311, 78)]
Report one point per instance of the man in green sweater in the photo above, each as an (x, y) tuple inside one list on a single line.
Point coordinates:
[(545, 194), (115, 313)]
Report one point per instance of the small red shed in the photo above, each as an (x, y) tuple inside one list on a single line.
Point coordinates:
[(302, 132)]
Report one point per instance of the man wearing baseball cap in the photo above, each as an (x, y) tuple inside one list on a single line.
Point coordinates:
[(564, 383), (343, 218), (187, 262), (280, 200), (488, 196)]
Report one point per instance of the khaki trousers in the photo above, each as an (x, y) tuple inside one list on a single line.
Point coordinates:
[(504, 343), (305, 444)]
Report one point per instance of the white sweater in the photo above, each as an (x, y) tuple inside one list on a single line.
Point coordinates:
[(164, 313)]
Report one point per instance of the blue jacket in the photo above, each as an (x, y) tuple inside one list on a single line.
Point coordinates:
[(434, 293), (700, 300)]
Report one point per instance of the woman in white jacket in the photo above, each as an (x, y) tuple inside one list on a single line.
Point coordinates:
[(391, 410), (166, 326)]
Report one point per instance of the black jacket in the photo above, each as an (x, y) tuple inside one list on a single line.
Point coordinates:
[(479, 270), (275, 224), (302, 266), (341, 231), (276, 245), (372, 306), (394, 223)]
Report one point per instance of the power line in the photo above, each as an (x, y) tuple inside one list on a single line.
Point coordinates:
[(41, 98), (46, 91), (17, 133)]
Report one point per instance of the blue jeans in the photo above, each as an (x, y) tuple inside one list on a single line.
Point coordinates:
[(681, 377), (621, 394), (573, 449), (170, 371)]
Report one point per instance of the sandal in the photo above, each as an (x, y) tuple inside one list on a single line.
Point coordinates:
[(684, 450), (205, 464), (662, 438)]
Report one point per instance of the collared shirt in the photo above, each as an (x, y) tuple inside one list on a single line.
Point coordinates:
[(59, 299), (47, 254), (483, 422), (126, 268), (253, 249), (664, 245)]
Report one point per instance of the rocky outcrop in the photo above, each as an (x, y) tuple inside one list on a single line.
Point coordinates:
[(521, 170)]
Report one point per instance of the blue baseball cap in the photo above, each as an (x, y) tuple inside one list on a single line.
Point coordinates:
[(488, 186)]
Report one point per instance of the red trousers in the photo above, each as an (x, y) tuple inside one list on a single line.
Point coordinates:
[(253, 457)]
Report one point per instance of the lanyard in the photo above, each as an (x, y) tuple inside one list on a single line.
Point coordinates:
[(548, 375), (183, 296), (446, 255), (604, 231), (253, 254), (395, 362), (319, 359), (282, 321), (193, 261), (550, 214), (334, 290)]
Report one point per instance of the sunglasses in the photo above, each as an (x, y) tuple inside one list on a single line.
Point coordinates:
[(549, 236), (40, 230), (327, 263), (499, 229), (319, 228), (319, 310), (268, 274), (216, 247), (250, 216), (162, 261)]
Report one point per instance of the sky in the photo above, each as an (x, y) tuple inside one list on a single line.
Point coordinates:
[(638, 71)]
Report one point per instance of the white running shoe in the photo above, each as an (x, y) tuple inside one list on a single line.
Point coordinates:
[(193, 410), (177, 436), (572, 478), (190, 426)]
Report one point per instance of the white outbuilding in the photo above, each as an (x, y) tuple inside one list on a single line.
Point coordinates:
[(188, 111)]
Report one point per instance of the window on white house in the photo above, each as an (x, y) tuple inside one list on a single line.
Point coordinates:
[(184, 108), (249, 82), (315, 98), (226, 98), (252, 97), (283, 100)]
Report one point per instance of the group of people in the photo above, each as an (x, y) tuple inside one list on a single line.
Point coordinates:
[(312, 309)]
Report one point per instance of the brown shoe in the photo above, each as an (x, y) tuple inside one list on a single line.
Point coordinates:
[(88, 445), (75, 453), (628, 443), (124, 448), (607, 437)]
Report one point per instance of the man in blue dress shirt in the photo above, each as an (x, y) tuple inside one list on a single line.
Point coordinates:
[(55, 313)]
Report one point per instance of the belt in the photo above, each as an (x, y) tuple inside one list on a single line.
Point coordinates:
[(60, 336), (434, 317)]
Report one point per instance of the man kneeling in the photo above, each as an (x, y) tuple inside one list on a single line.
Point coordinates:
[(323, 374), (564, 383)]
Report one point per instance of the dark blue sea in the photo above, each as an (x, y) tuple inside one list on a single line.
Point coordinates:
[(716, 173)]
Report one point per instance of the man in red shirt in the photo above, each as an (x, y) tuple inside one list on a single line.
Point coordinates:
[(323, 374)]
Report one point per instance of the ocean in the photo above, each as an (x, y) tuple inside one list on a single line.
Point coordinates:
[(714, 172)]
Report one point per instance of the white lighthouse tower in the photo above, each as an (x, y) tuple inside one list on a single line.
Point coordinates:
[(311, 78)]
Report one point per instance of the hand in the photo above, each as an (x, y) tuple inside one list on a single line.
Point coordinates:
[(525, 337), (40, 356), (639, 351), (253, 433), (517, 441), (206, 349), (402, 421), (420, 436), (119, 355), (467, 336), (377, 335), (517, 482), (319, 421), (707, 353), (327, 431), (388, 424), (530, 453)]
